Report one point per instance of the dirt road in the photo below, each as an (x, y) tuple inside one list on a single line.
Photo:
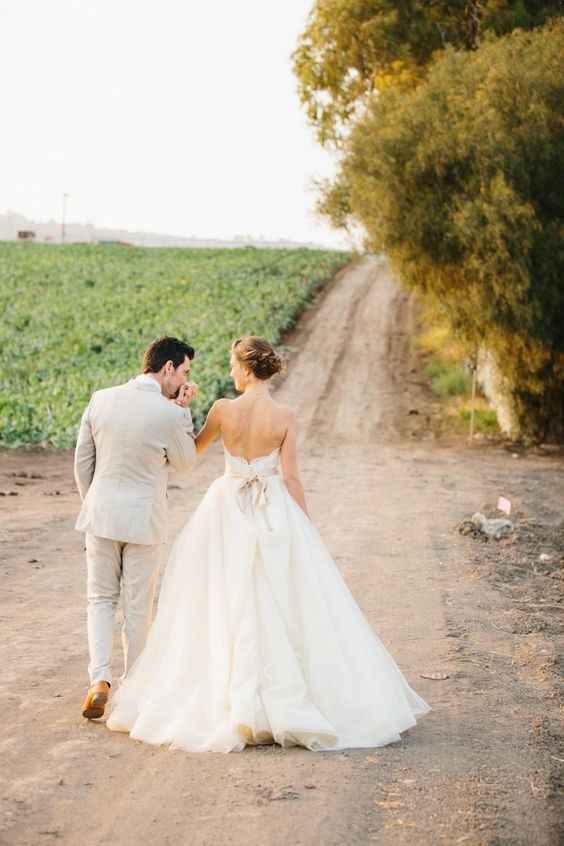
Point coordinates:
[(484, 767)]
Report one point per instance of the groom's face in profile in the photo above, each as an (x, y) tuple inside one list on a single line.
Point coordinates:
[(175, 377)]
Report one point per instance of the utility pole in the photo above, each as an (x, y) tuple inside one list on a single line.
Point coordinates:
[(471, 364), (474, 369), (63, 232)]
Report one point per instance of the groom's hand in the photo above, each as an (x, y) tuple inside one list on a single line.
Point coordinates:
[(186, 394)]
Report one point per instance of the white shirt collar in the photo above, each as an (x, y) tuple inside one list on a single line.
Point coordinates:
[(147, 379)]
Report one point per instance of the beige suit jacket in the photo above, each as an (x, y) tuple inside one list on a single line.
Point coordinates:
[(129, 437)]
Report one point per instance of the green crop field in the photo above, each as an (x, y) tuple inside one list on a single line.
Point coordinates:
[(77, 318)]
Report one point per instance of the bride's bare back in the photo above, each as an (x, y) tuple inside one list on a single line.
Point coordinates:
[(254, 426)]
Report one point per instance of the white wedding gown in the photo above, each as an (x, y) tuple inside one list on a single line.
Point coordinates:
[(257, 637)]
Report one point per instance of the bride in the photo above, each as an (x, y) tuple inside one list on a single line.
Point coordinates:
[(257, 638)]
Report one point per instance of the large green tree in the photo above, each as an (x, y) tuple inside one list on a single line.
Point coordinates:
[(459, 182), (351, 48)]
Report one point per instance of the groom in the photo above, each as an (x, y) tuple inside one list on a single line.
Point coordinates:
[(129, 436)]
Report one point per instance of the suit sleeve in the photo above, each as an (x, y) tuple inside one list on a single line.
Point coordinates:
[(84, 454), (181, 450)]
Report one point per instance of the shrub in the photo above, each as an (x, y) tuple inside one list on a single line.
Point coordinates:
[(459, 182)]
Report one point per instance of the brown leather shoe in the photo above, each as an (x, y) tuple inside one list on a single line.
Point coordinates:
[(96, 700)]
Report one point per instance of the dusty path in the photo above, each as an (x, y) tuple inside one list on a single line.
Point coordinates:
[(480, 769)]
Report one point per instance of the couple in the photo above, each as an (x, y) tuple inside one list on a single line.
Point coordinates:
[(257, 638)]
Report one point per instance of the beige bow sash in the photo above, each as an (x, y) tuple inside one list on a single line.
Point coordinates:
[(252, 494)]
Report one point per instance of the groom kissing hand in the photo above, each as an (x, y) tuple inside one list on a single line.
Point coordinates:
[(186, 394), (129, 437)]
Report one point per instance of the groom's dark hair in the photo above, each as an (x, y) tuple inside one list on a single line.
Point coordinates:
[(166, 349)]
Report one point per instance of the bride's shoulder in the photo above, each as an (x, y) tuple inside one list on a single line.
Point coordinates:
[(286, 411), (218, 407)]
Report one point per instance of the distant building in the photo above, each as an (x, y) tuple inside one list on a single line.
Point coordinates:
[(13, 227)]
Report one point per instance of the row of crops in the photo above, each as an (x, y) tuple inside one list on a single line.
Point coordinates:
[(77, 318)]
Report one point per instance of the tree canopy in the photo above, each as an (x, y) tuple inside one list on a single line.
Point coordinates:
[(458, 181), (351, 48)]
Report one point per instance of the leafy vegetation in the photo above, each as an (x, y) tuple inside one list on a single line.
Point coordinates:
[(458, 182), (456, 175), (77, 318), (350, 49), (447, 380), (450, 379), (485, 420)]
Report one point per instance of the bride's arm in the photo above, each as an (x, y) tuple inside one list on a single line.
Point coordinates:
[(211, 429), (289, 463)]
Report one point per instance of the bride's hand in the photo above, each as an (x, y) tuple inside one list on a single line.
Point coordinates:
[(186, 394)]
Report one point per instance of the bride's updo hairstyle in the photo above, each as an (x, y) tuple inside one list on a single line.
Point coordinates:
[(258, 355)]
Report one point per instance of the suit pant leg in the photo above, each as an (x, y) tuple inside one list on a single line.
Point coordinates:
[(103, 566), (139, 581)]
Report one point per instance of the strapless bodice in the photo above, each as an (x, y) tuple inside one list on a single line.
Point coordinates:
[(236, 465), (253, 478)]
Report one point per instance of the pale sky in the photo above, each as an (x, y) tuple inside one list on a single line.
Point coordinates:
[(174, 116)]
